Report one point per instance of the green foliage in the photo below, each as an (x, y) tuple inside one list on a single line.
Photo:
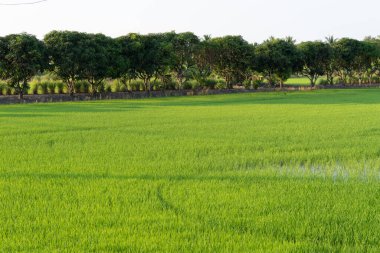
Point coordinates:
[(178, 61), (184, 47), (323, 82), (136, 85), (147, 55), (118, 86), (51, 87), (277, 59), (81, 87), (233, 57), (314, 56), (22, 56), (43, 88), (59, 87), (65, 51), (98, 62)]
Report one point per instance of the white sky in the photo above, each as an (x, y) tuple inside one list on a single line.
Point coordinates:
[(256, 20)]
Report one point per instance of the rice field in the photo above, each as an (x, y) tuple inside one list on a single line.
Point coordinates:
[(264, 172)]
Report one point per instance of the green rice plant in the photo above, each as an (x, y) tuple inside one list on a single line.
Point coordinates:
[(254, 172)]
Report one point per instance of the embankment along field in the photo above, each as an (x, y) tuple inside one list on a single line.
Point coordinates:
[(268, 172)]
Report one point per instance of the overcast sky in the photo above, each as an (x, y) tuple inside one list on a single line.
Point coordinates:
[(256, 20)]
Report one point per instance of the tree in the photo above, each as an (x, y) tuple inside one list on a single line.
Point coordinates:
[(203, 59), (184, 47), (314, 57), (277, 59), (347, 52), (374, 66), (367, 54), (232, 58), (148, 56), (66, 50), (22, 56), (330, 67), (100, 59)]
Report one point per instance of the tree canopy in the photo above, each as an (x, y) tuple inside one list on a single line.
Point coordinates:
[(21, 57), (178, 59)]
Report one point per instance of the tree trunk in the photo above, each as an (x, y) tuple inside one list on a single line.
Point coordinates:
[(21, 94), (147, 85), (330, 78), (180, 80), (70, 87), (228, 82)]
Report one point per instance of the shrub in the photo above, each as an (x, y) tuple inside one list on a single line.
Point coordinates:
[(84, 87), (188, 85), (33, 88), (59, 87), (115, 86), (136, 85), (221, 85), (81, 87), (43, 88), (107, 87), (210, 83), (322, 82), (376, 79), (51, 87), (2, 87), (77, 87)]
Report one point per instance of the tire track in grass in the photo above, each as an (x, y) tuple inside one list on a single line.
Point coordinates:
[(166, 204)]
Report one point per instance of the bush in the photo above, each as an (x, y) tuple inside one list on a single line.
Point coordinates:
[(221, 85), (33, 88), (59, 87), (77, 87), (2, 87), (210, 83), (115, 86), (107, 88), (43, 88), (376, 79), (9, 91), (81, 87), (188, 85), (322, 82), (51, 87), (136, 85)]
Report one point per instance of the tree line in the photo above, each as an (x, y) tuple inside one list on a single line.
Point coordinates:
[(179, 57)]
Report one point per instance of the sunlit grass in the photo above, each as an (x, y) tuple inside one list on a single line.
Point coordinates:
[(270, 172)]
